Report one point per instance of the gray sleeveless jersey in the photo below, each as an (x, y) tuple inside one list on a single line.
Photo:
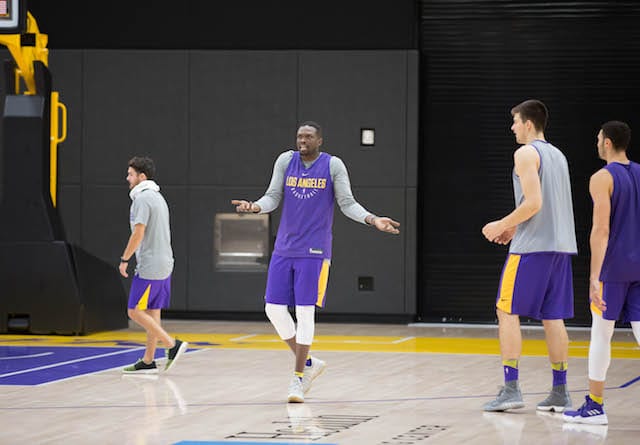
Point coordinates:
[(552, 229)]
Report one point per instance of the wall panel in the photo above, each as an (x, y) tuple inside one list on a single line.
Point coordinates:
[(242, 109), (135, 102), (479, 58)]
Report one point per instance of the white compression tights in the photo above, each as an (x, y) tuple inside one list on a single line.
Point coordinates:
[(283, 322), (600, 345)]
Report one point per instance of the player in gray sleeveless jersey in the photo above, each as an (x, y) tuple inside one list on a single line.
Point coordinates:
[(537, 279)]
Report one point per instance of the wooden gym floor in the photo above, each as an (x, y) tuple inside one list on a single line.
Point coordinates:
[(384, 385)]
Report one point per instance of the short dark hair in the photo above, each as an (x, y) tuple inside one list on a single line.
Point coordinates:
[(143, 164), (314, 125), (532, 110), (618, 132)]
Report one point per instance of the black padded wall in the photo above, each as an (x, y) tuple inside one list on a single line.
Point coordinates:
[(478, 59), (48, 285), (247, 24)]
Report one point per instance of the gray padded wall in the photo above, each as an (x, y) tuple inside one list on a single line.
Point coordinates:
[(67, 81), (215, 121), (347, 91), (135, 103), (243, 114)]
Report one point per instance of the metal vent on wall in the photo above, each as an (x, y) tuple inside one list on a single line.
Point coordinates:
[(241, 242)]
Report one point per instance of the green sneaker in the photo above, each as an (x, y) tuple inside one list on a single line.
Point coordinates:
[(173, 354), (141, 367)]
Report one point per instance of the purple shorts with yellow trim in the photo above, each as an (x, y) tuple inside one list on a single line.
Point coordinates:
[(537, 285), (297, 281), (623, 301), (149, 294)]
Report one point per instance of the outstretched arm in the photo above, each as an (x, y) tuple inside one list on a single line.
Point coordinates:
[(272, 197), (349, 206), (383, 224)]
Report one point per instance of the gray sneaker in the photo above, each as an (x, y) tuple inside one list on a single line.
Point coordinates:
[(509, 397), (557, 401)]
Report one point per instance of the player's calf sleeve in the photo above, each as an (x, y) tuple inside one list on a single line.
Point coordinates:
[(600, 347), (281, 320), (306, 324)]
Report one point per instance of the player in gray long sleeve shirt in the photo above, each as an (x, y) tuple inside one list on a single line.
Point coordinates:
[(308, 182), (341, 185)]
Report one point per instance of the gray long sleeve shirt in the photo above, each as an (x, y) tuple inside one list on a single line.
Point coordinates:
[(341, 186)]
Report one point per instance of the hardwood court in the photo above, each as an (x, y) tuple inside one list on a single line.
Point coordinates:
[(384, 385)]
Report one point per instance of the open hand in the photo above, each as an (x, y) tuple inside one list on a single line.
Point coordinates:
[(386, 224)]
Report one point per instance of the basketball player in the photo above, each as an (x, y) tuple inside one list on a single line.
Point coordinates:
[(614, 283), (307, 181), (536, 279), (151, 285)]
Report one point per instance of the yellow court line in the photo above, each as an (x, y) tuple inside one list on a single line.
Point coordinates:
[(434, 345)]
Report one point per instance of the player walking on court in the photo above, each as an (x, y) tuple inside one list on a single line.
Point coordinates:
[(151, 285), (537, 278), (614, 283), (307, 181)]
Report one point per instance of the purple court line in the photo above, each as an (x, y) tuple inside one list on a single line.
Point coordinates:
[(630, 382), (54, 365), (279, 403)]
